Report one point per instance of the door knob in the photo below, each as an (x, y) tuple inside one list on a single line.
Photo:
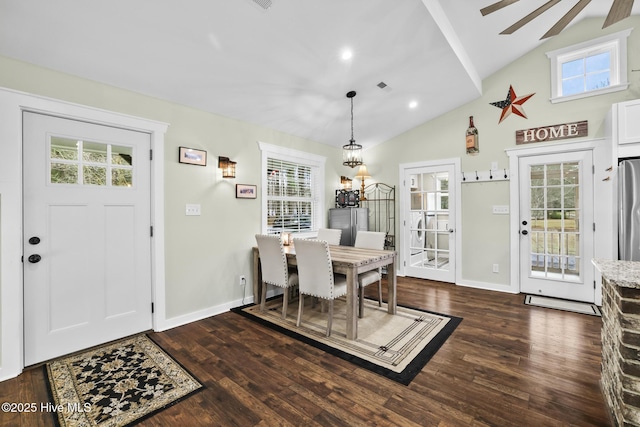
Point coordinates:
[(524, 232), (524, 222), (34, 258), (34, 240), (451, 230)]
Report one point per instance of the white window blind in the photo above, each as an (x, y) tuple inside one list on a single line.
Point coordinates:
[(293, 187)]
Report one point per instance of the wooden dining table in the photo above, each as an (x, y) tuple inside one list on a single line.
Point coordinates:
[(351, 262)]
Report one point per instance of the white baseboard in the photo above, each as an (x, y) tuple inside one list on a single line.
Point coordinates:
[(488, 286)]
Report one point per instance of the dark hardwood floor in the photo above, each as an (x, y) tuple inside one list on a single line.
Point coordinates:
[(507, 364)]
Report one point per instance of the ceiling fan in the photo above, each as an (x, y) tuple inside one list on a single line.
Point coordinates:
[(620, 9)]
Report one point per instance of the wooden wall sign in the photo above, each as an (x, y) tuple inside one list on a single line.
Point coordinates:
[(552, 133)]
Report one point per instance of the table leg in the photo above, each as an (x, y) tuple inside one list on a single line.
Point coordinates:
[(391, 293), (352, 304), (256, 277)]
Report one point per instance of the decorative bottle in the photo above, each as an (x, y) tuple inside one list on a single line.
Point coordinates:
[(472, 138)]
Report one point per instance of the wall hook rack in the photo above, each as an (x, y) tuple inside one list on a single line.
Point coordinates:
[(486, 176)]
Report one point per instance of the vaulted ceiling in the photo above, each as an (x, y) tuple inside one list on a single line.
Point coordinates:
[(282, 66)]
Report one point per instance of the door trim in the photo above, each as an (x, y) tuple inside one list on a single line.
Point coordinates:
[(404, 200), (602, 218), (12, 105)]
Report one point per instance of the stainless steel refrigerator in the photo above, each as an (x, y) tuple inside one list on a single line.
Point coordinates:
[(629, 210), (349, 220)]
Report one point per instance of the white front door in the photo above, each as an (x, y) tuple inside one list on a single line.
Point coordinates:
[(87, 263), (556, 225), (429, 241)]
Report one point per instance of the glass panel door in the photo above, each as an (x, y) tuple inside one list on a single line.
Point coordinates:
[(556, 225), (429, 224)]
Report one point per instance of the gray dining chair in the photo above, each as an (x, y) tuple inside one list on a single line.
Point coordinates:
[(316, 275), (330, 235), (275, 269), (369, 240)]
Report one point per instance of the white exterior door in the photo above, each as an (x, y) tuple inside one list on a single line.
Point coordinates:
[(556, 225), (87, 263), (429, 233)]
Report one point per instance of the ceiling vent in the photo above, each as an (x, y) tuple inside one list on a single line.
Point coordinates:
[(385, 87), (265, 4)]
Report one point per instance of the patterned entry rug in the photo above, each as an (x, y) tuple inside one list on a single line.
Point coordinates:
[(117, 384), (396, 346)]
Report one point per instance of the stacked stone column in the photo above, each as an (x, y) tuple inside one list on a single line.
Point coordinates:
[(621, 352)]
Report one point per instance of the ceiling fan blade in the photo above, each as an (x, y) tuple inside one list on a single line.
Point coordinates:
[(530, 17), (496, 6), (566, 19), (620, 9)]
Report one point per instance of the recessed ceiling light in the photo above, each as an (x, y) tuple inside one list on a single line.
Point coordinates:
[(413, 104), (347, 54)]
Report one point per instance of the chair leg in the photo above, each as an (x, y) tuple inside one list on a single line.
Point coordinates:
[(263, 298), (330, 321), (360, 301), (300, 307), (285, 302)]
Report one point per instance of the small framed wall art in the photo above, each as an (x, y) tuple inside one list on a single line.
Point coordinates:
[(246, 191), (192, 156)]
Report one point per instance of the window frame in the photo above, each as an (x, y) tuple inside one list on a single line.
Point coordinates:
[(317, 165), (615, 44)]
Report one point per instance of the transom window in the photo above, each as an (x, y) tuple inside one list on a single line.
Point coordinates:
[(592, 68), (292, 190), (73, 161)]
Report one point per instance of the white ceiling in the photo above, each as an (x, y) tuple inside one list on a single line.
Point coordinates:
[(282, 67)]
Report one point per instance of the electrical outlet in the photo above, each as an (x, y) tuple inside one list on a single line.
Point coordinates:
[(242, 281), (496, 268)]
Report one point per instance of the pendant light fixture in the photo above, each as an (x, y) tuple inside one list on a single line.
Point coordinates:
[(352, 152)]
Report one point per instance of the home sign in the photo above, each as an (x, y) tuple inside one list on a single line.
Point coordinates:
[(552, 133)]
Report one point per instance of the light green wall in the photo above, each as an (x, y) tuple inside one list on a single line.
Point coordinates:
[(485, 237), (204, 254)]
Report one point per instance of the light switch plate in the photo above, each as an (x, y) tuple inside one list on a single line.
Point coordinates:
[(501, 210), (193, 210)]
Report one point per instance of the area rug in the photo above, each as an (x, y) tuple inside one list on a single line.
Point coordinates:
[(117, 384), (396, 346), (561, 304)]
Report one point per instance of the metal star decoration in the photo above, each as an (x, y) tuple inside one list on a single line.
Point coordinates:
[(513, 104)]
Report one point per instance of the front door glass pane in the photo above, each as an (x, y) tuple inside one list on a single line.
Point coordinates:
[(73, 161), (555, 221)]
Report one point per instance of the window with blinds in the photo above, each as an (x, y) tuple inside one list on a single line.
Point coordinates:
[(290, 197), (292, 191)]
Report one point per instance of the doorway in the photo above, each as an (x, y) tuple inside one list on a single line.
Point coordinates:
[(556, 225), (87, 240), (429, 217)]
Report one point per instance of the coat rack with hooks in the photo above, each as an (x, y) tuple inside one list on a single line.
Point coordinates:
[(485, 176)]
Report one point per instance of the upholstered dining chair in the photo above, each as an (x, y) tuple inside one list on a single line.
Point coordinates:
[(330, 235), (316, 275), (369, 240), (275, 270)]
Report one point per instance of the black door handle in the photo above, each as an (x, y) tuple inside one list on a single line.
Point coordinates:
[(524, 232), (34, 240), (34, 258)]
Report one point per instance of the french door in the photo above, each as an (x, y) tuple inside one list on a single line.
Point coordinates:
[(556, 225), (87, 244), (429, 233)]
